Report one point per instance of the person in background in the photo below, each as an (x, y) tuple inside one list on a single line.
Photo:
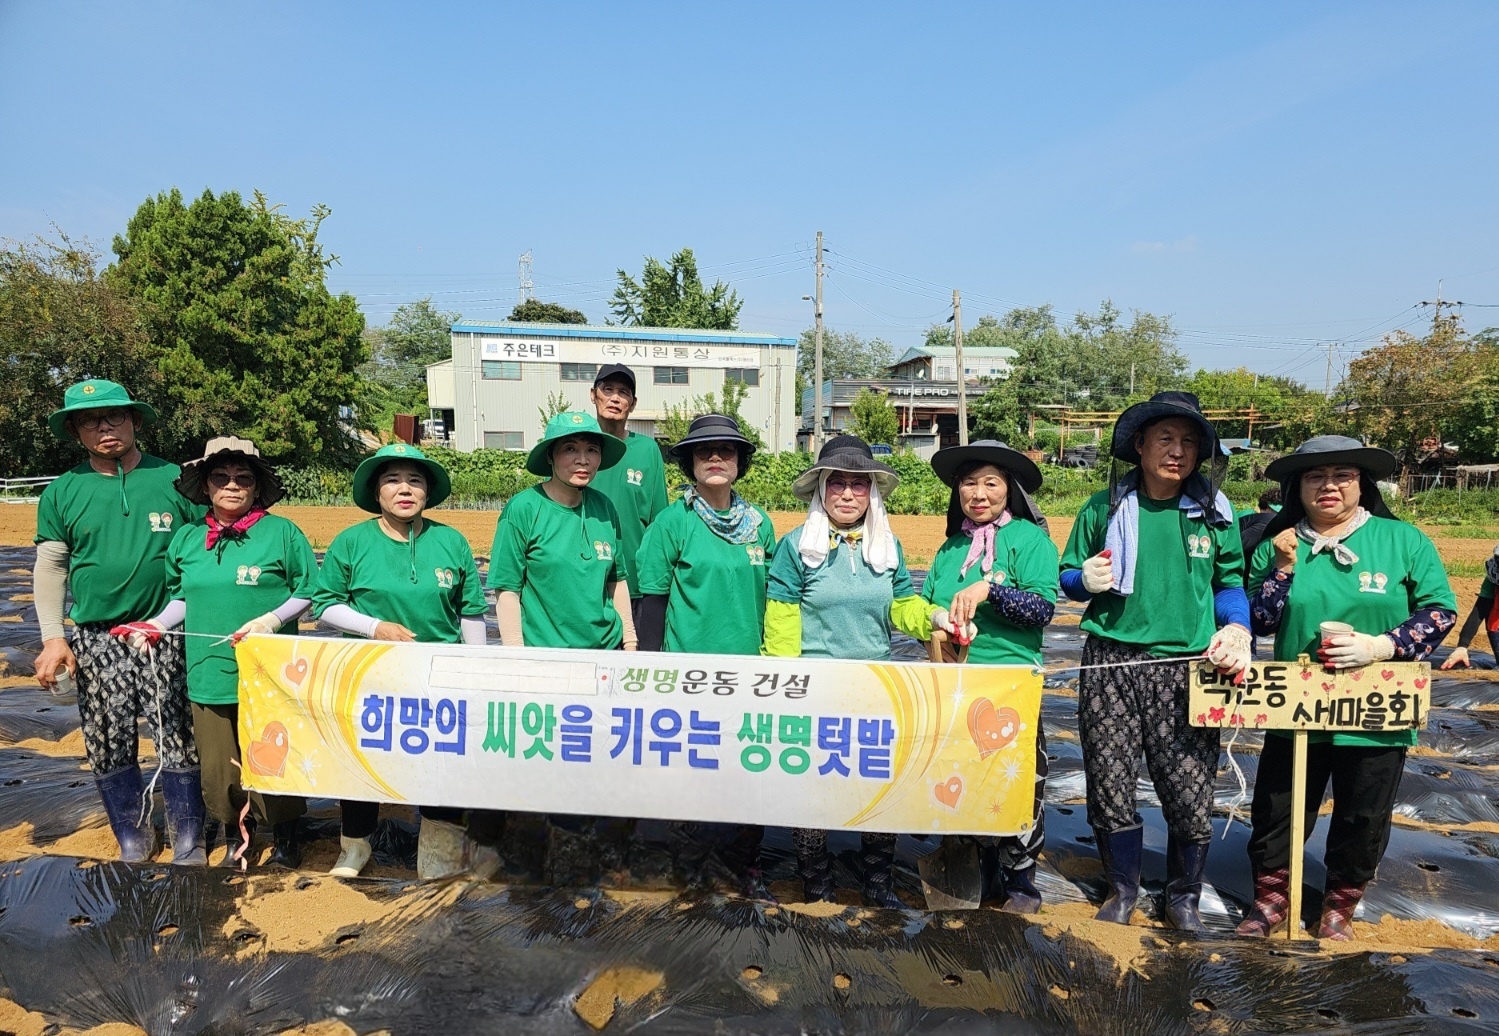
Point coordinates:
[(702, 568), (104, 527), (1336, 554), (636, 485), (240, 570), (401, 577), (1252, 526), (1158, 560), (1485, 612), (836, 586), (998, 571)]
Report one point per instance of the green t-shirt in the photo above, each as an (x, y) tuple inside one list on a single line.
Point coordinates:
[(636, 486), (1182, 563), (376, 576), (226, 587), (1024, 558), (561, 560), (845, 607), (715, 589), (117, 561), (1398, 572)]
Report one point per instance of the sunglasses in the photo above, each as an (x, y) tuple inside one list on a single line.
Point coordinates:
[(222, 479), (859, 486)]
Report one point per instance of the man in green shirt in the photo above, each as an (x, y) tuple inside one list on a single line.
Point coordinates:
[(1158, 559), (105, 527), (636, 486)]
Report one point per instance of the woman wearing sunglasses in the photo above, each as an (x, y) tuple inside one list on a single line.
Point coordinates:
[(837, 584)]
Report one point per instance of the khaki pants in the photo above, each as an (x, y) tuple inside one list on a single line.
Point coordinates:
[(216, 729)]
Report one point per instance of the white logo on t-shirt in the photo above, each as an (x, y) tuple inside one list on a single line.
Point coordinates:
[(634, 477), (161, 521), (445, 578), (1372, 582), (247, 575), (603, 551), (756, 554), (1199, 546)]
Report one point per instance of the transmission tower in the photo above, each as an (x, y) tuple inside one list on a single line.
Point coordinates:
[(525, 277)]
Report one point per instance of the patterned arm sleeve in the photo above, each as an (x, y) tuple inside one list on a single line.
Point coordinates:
[(1417, 637), (1269, 603), (1020, 606)]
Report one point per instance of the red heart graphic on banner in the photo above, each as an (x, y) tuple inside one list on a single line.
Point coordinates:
[(1329, 687), (1387, 674), (267, 756), (1306, 674), (1420, 683), (949, 792), (1358, 674), (991, 728), (295, 672)]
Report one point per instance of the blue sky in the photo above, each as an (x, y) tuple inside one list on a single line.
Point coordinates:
[(1272, 175)]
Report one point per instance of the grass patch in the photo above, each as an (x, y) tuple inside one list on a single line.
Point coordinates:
[(1464, 569)]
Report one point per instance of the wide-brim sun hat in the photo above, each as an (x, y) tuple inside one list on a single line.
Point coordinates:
[(565, 425), (95, 394), (367, 494), (847, 453), (1157, 408), (1333, 449), (193, 482), (946, 462), (710, 428)]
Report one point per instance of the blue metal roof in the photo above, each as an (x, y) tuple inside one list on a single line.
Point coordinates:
[(628, 334)]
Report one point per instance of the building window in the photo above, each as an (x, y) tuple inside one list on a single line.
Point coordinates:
[(504, 441), (670, 375), (501, 370), (741, 375), (580, 372)]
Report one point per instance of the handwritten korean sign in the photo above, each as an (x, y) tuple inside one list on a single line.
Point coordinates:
[(1390, 696), (737, 739)]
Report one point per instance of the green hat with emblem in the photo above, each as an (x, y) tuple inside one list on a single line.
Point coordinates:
[(95, 394), (564, 426), (367, 495)]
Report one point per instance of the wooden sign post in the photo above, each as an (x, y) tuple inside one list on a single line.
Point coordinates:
[(1301, 696)]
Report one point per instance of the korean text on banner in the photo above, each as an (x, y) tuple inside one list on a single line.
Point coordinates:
[(739, 739), (1302, 695)]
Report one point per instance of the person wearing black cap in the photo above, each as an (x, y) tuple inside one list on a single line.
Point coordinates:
[(1335, 553), (702, 572), (837, 584), (636, 486), (1158, 560), (998, 570)]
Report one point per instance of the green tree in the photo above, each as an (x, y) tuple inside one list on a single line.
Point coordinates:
[(997, 415), (395, 375), (1475, 424), (673, 427), (1286, 407), (534, 311), (252, 341), (61, 323), (556, 403), (844, 355), (873, 418), (673, 296)]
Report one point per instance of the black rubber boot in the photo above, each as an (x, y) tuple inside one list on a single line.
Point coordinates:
[(878, 852), (815, 867), (122, 791), (1185, 862), (233, 844), (1021, 894), (183, 792), (1120, 853), (286, 848)]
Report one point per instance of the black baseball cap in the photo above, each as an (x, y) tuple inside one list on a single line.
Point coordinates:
[(615, 370)]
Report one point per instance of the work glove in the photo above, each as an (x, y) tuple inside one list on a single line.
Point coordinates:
[(1098, 573), (1228, 651), (1352, 650), (962, 635), (267, 623), (141, 636)]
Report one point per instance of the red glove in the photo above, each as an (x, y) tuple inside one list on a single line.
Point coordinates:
[(150, 631)]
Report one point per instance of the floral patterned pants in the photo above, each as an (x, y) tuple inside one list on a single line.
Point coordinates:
[(1124, 711), (116, 686)]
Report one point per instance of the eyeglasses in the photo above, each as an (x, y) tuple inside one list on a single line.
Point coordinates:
[(709, 450), (859, 486), (1336, 479), (97, 418), (222, 479)]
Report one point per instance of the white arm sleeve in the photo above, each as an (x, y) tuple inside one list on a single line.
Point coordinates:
[(471, 628), (293, 608), (172, 615), (49, 582), (346, 620)]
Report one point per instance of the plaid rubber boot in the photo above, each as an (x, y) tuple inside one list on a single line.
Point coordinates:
[(1338, 904), (1272, 904), (878, 853)]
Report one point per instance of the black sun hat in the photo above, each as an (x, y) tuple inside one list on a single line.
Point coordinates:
[(946, 462), (845, 453), (1333, 449), (1157, 408), (710, 428)]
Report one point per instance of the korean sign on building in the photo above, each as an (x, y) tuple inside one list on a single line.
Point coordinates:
[(739, 739), (1305, 696), (602, 351)]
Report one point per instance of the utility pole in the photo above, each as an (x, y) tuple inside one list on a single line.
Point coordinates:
[(525, 287), (1132, 379), (817, 364), (1438, 303), (1327, 384), (957, 346)]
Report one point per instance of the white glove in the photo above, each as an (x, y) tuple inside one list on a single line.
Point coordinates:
[(1098, 574), (267, 623), (1229, 649), (943, 621), (1352, 650), (141, 643)]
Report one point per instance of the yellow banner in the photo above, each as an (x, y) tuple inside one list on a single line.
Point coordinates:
[(740, 739), (1387, 696)]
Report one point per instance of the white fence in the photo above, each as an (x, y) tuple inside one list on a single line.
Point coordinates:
[(23, 490)]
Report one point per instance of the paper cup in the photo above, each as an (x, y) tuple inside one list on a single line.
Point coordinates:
[(1333, 629)]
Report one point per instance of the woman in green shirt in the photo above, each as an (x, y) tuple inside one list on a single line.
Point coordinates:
[(401, 577), (239, 570), (837, 584), (1335, 553), (701, 571), (997, 574)]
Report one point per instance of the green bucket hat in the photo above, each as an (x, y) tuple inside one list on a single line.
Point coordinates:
[(564, 426), (95, 394), (365, 493)]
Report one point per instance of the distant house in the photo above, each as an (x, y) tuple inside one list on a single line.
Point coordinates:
[(939, 363)]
